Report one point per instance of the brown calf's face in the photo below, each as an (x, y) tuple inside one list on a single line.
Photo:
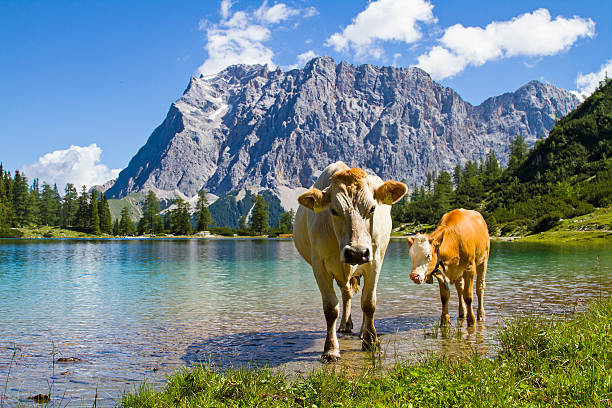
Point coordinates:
[(352, 203), (423, 257)]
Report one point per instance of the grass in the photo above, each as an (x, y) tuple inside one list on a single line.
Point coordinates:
[(595, 227), (554, 361)]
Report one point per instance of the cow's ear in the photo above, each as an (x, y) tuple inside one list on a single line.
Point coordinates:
[(436, 241), (410, 240), (390, 192), (315, 199)]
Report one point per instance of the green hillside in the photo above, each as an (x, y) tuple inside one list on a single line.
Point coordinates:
[(567, 175)]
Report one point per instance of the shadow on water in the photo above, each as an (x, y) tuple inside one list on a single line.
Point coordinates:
[(275, 349), (259, 349)]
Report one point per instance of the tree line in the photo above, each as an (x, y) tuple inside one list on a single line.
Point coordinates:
[(24, 205)]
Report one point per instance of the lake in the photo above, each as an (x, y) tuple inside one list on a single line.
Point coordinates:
[(131, 311)]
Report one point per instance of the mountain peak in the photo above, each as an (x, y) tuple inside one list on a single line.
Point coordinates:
[(249, 126)]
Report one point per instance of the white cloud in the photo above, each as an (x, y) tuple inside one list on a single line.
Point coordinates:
[(77, 165), (226, 5), (587, 83), (302, 59), (239, 38), (396, 57), (306, 56), (530, 34), (383, 20), (274, 14)]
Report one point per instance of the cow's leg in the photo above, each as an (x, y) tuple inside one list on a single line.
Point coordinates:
[(331, 350), (459, 287), (468, 293), (346, 323), (444, 297), (369, 339), (481, 272)]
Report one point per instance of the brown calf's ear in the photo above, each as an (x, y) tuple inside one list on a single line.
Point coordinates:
[(314, 199), (436, 241), (390, 192), (410, 240)]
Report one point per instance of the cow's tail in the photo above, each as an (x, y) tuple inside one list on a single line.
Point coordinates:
[(355, 283)]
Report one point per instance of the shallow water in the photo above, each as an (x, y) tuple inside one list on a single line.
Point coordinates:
[(135, 310)]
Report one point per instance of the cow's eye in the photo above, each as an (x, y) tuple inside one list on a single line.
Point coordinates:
[(372, 209), (334, 212)]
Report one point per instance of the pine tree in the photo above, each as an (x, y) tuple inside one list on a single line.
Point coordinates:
[(49, 207), (259, 216), (168, 222), (6, 209), (69, 206), (243, 223), (20, 199), (57, 206), (34, 206), (442, 195), (492, 170), (106, 223), (94, 216), (116, 227), (180, 217), (285, 223), (203, 213), (126, 225), (4, 219), (518, 152), (151, 220), (81, 219)]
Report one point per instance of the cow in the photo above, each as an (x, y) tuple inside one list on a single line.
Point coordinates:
[(342, 228), (456, 252)]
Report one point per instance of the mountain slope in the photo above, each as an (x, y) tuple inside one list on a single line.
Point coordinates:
[(250, 127)]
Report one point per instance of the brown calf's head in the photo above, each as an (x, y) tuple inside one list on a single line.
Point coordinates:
[(352, 202), (423, 256)]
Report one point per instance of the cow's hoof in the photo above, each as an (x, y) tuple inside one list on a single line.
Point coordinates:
[(444, 320), (330, 356), (346, 328), (481, 317)]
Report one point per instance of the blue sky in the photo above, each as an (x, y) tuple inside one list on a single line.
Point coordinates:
[(84, 83)]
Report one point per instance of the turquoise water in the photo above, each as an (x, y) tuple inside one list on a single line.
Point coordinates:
[(135, 310)]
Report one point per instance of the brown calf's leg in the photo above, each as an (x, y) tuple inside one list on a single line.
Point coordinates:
[(468, 293), (459, 287), (444, 297), (346, 323), (481, 272)]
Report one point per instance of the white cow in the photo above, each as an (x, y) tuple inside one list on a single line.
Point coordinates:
[(342, 229)]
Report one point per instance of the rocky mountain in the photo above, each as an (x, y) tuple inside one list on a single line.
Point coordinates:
[(251, 128)]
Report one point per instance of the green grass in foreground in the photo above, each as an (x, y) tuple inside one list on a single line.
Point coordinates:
[(542, 362)]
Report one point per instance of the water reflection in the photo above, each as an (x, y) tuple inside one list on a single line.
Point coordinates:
[(132, 310)]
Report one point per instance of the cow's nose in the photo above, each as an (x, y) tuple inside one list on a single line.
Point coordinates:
[(356, 255)]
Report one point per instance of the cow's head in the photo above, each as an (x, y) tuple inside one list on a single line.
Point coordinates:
[(352, 202), (423, 255)]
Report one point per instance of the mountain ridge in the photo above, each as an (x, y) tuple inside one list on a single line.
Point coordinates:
[(248, 126)]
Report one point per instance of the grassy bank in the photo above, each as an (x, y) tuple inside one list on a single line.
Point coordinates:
[(595, 227), (542, 362)]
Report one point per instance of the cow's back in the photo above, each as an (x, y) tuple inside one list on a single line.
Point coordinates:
[(465, 231)]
